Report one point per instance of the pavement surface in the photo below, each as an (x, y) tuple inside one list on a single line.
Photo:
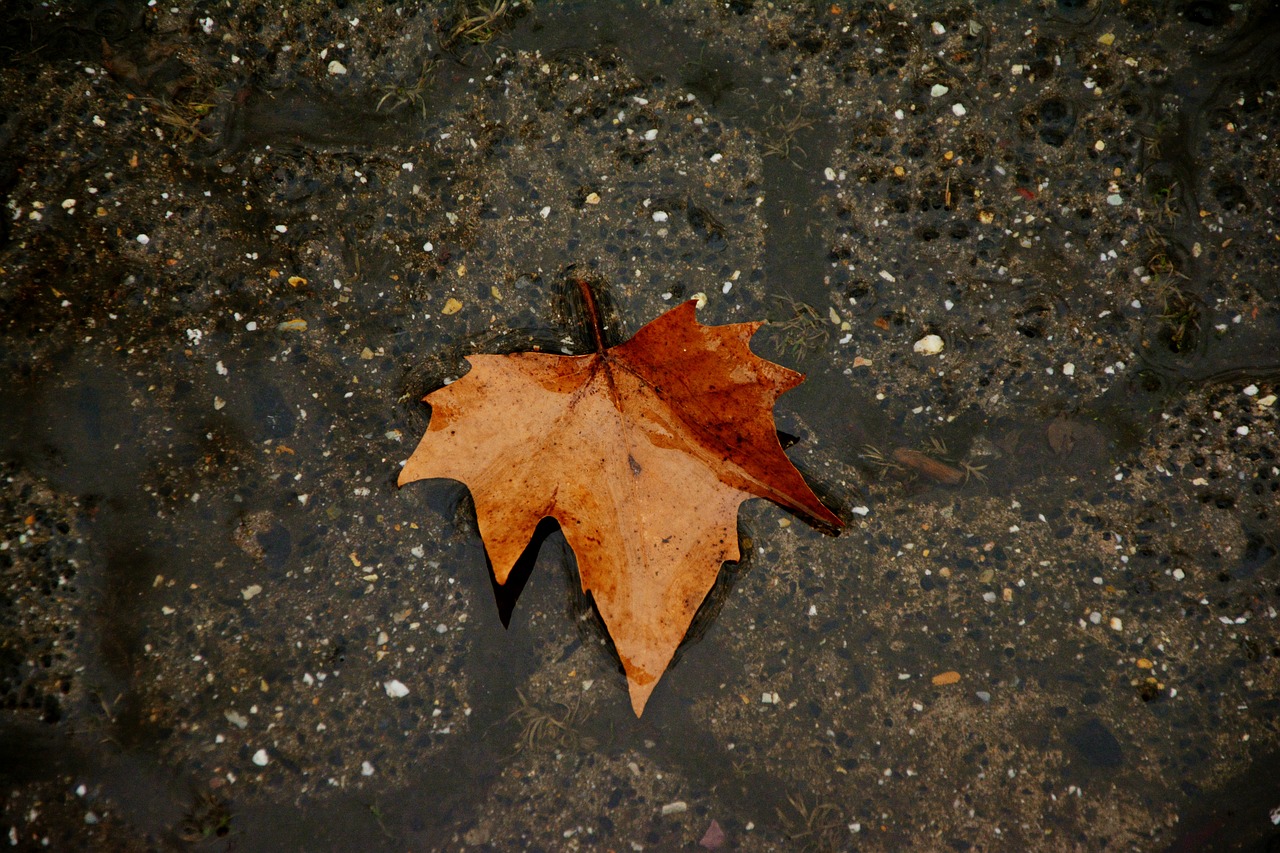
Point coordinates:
[(1028, 255)]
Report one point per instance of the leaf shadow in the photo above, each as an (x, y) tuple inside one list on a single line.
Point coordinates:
[(506, 594)]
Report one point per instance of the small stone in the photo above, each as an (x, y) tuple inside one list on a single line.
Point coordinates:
[(678, 807), (937, 28), (958, 109), (1116, 624), (336, 67), (238, 720), (1242, 430), (659, 216), (713, 838), (395, 689), (651, 134), (944, 678), (928, 345), (939, 90), (142, 239), (1179, 574), (1115, 200), (366, 769), (1107, 39), (295, 325), (593, 198), (1251, 391), (1068, 369), (250, 591), (261, 758), (451, 306), (829, 173)]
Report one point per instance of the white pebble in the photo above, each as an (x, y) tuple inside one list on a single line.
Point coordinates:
[(545, 212), (1115, 200), (829, 173), (1242, 430), (1116, 624), (651, 134), (659, 216), (928, 345), (678, 807), (938, 28), (143, 239), (282, 228), (938, 90), (958, 109), (336, 67), (1251, 391), (366, 769), (1068, 369), (261, 758), (395, 689)]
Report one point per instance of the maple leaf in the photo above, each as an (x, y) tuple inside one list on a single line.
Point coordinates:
[(642, 452)]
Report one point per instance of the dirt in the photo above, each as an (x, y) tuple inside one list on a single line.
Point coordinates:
[(241, 240)]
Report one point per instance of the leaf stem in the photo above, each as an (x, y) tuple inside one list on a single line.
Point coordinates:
[(593, 314)]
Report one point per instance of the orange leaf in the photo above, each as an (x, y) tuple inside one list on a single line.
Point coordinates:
[(642, 452)]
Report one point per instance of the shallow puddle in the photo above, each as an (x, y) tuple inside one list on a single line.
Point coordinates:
[(1027, 257)]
